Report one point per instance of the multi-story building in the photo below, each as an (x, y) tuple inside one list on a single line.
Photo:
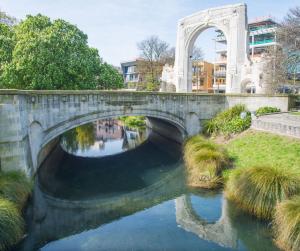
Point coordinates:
[(130, 74), (262, 35), (202, 80)]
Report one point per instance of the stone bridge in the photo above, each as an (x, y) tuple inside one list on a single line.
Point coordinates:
[(31, 121)]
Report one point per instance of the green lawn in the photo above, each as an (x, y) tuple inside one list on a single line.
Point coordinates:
[(295, 113), (254, 148)]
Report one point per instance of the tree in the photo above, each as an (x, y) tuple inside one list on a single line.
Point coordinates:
[(274, 69), (51, 55), (6, 19), (197, 54), (7, 44), (153, 51), (109, 78), (289, 38), (41, 54)]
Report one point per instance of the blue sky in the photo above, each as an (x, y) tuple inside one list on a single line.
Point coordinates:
[(115, 26)]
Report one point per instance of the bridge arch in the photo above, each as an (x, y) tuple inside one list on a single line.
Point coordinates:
[(45, 138), (59, 129), (232, 20)]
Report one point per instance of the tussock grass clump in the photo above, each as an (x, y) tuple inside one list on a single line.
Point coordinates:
[(204, 161), (287, 224), (15, 187), (258, 189), (11, 224), (229, 121)]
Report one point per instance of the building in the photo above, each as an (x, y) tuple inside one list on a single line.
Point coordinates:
[(202, 76), (130, 74), (262, 35)]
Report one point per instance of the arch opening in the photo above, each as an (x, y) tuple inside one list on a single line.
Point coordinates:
[(207, 72), (129, 159)]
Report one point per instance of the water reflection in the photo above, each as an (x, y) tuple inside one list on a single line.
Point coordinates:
[(102, 138), (134, 200)]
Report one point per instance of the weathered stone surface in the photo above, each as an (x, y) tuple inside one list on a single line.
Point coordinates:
[(232, 21), (32, 119)]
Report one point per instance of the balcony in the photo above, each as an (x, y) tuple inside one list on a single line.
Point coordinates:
[(220, 87), (266, 41), (262, 30), (220, 74)]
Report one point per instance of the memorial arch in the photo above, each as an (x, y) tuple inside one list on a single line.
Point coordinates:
[(232, 21)]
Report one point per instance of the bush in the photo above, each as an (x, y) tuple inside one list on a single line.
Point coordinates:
[(266, 110), (11, 224), (287, 224), (15, 187), (134, 122), (204, 161), (229, 121), (258, 189)]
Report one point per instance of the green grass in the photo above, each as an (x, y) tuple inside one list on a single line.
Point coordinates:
[(204, 161), (264, 149), (266, 171), (287, 224), (15, 187), (295, 113), (259, 189), (11, 224), (266, 109)]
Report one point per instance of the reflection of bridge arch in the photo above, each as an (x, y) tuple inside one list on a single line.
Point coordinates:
[(55, 218), (220, 232)]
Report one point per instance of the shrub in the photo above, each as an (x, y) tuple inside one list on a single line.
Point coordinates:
[(287, 224), (229, 121), (258, 189), (204, 161), (266, 109), (134, 122), (15, 187), (11, 224)]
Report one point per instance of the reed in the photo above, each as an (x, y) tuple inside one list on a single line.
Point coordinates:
[(15, 187), (11, 224), (287, 224), (204, 161)]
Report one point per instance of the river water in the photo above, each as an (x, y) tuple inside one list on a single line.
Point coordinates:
[(108, 187)]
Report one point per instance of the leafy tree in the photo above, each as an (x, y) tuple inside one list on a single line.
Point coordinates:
[(41, 54), (6, 45), (6, 19), (109, 77)]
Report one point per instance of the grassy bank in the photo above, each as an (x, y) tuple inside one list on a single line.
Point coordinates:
[(253, 148), (265, 178), (266, 182), (15, 189)]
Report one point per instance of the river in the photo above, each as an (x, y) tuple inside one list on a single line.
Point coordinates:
[(109, 187)]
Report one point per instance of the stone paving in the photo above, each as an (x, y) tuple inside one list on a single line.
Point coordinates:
[(281, 123)]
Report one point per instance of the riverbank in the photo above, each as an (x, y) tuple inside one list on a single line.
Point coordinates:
[(263, 179), (15, 189)]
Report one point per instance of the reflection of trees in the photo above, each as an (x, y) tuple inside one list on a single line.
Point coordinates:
[(85, 136), (82, 137)]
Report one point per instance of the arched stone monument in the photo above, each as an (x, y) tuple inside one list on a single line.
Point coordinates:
[(232, 21)]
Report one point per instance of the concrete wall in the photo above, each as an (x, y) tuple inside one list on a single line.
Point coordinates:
[(32, 119)]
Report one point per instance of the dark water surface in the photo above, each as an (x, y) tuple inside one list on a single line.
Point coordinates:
[(135, 199)]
